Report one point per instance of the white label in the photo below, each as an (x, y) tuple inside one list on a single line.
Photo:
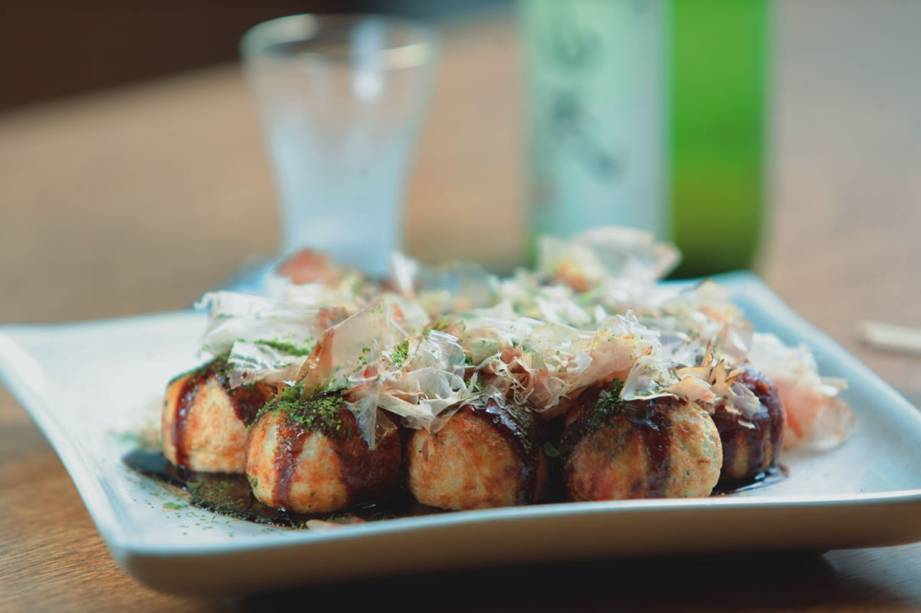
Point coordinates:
[(597, 79)]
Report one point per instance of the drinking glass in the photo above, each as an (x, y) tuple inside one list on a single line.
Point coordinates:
[(341, 98)]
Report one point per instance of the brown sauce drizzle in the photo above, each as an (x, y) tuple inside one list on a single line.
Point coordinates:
[(652, 419), (368, 474), (184, 402), (770, 476), (246, 401), (736, 437), (232, 496), (761, 451), (291, 437), (519, 430), (766, 392), (363, 470)]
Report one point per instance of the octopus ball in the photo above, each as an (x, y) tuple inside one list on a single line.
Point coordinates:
[(663, 447), (204, 421), (310, 457), (751, 442), (485, 455)]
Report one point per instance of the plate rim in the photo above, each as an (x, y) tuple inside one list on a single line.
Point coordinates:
[(124, 545)]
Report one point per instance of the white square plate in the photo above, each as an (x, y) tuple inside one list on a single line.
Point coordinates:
[(84, 384)]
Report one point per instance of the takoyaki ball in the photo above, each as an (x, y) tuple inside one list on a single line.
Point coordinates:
[(751, 443), (486, 455), (204, 421), (308, 456), (308, 266), (614, 449)]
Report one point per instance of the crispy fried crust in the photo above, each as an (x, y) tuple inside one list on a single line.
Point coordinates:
[(484, 456)]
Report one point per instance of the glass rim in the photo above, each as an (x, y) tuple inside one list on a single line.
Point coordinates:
[(303, 27)]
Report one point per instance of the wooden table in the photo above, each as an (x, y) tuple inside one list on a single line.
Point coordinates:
[(138, 200)]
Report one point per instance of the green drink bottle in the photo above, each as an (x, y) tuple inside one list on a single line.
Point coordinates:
[(650, 114)]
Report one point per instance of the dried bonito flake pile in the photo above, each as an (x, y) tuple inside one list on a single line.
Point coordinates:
[(433, 338)]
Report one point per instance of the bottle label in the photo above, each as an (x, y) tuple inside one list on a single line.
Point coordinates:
[(597, 79)]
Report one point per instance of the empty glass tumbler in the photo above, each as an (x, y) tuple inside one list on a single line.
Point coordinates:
[(341, 99)]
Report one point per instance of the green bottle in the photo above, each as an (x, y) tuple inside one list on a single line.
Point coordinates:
[(650, 114)]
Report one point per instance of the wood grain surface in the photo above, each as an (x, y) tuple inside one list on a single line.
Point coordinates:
[(139, 199)]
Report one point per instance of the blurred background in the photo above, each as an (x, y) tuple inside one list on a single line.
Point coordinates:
[(133, 173), (100, 44)]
